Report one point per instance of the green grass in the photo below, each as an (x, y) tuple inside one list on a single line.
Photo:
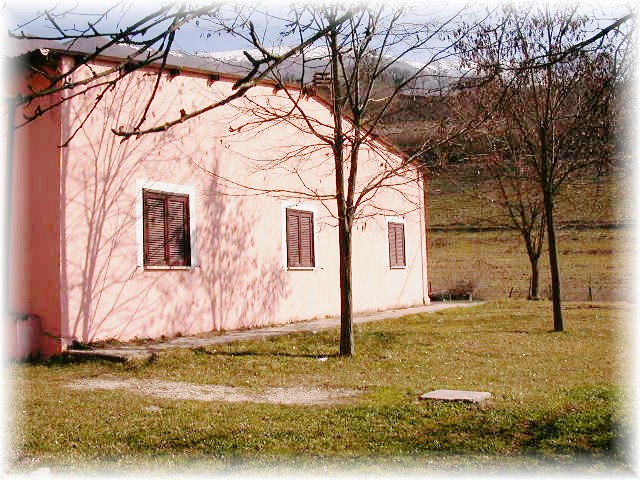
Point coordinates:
[(558, 400)]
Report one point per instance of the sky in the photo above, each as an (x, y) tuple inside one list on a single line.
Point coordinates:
[(193, 39)]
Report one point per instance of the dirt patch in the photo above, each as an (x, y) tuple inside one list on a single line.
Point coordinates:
[(220, 393)]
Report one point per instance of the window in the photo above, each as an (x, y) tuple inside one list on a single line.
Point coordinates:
[(166, 229), (396, 245), (299, 238)]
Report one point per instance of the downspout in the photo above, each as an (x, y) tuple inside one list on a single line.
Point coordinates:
[(425, 202), (64, 335), (422, 246), (11, 122)]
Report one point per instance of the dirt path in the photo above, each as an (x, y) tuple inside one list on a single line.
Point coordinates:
[(219, 393)]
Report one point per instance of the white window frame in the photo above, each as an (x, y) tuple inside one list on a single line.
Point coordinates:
[(388, 220), (305, 207), (165, 187)]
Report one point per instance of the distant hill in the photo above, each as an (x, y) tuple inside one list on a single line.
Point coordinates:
[(435, 77)]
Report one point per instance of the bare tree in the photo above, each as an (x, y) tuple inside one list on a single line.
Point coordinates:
[(557, 100), (521, 201), (362, 53), (496, 163), (517, 195)]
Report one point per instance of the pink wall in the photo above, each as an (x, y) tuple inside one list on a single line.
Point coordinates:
[(35, 221), (239, 279)]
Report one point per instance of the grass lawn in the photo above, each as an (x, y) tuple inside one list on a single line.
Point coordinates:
[(559, 400)]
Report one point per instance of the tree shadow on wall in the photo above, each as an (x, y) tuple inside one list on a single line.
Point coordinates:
[(243, 284), (235, 283), (98, 216)]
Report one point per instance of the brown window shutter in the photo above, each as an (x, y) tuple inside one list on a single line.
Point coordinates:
[(396, 245), (293, 239), (178, 251), (392, 244), (154, 246), (306, 240), (300, 248), (166, 229)]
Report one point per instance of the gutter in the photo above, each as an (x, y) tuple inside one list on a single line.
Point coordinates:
[(11, 112)]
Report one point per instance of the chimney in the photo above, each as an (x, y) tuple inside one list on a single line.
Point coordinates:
[(322, 84)]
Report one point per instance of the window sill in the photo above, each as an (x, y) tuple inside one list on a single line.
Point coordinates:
[(301, 269), (399, 268)]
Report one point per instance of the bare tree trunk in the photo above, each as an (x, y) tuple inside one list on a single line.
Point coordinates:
[(533, 252), (534, 249), (346, 297), (535, 278), (345, 213), (553, 263)]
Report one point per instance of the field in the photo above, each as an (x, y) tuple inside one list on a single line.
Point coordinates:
[(558, 404), (595, 242), (593, 263)]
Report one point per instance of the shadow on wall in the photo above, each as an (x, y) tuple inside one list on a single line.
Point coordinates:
[(99, 216), (236, 284), (243, 283)]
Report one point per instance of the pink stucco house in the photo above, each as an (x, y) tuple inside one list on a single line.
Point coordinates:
[(222, 222)]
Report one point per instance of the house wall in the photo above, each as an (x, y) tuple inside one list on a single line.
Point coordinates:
[(243, 174), (34, 260)]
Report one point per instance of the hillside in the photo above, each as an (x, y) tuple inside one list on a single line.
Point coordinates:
[(468, 245), (459, 199)]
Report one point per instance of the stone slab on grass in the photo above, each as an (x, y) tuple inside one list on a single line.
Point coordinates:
[(110, 354), (457, 396)]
